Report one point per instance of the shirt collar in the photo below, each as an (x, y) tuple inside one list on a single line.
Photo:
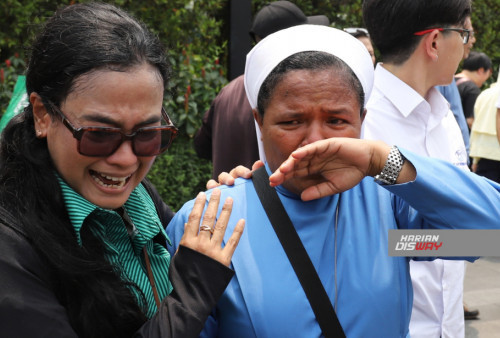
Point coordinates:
[(434, 106), (439, 107), (140, 207), (78, 207), (401, 95)]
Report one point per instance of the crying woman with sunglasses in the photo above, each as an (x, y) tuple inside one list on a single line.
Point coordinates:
[(82, 241)]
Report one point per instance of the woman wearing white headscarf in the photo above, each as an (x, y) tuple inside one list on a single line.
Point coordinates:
[(307, 86)]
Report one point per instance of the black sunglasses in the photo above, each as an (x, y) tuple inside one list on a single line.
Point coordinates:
[(104, 141)]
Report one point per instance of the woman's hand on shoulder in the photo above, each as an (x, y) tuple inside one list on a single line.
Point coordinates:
[(225, 178), (206, 235)]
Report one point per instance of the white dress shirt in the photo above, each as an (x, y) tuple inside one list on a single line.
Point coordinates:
[(397, 114)]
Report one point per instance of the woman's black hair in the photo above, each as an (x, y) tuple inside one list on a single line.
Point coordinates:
[(83, 38), (314, 61), (77, 40)]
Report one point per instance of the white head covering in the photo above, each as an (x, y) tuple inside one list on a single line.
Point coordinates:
[(269, 52)]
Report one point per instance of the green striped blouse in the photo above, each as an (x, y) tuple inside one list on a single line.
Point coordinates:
[(123, 250)]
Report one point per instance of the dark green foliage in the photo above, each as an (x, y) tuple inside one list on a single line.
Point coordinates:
[(195, 32), (486, 23), (179, 174), (20, 19), (195, 83), (9, 70)]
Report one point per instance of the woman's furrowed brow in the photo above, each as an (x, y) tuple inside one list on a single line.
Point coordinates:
[(99, 118)]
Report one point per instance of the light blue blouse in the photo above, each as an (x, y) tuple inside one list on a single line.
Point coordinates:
[(371, 291)]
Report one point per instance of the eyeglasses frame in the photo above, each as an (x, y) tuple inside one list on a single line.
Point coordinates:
[(465, 39), (357, 31), (78, 132)]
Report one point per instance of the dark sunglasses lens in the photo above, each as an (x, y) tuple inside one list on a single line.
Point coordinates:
[(99, 143), (151, 142)]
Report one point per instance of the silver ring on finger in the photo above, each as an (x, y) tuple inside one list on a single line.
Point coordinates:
[(207, 228)]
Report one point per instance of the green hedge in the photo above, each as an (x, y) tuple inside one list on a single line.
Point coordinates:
[(486, 23), (196, 33), (179, 174)]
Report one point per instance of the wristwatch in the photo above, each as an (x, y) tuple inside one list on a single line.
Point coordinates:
[(392, 167)]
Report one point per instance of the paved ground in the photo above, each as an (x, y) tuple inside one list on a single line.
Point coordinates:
[(482, 292)]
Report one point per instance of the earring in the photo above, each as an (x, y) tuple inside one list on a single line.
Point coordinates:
[(38, 133)]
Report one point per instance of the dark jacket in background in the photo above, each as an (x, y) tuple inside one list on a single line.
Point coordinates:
[(227, 135)]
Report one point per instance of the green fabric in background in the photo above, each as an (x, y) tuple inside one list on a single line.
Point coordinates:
[(17, 103)]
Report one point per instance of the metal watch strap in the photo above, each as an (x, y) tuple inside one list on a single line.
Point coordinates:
[(392, 167)]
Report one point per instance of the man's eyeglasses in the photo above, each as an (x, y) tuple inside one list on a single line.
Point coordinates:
[(464, 33), (357, 31), (104, 141)]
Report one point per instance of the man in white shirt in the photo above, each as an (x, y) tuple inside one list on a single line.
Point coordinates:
[(421, 44)]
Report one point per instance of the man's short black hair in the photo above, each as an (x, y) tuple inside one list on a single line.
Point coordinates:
[(279, 15), (477, 60), (392, 23)]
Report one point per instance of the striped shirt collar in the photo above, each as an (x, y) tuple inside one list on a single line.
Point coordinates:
[(140, 207)]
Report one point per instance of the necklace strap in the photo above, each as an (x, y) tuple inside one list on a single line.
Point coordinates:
[(151, 277), (129, 225)]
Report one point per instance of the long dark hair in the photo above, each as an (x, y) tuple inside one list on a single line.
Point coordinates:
[(77, 40)]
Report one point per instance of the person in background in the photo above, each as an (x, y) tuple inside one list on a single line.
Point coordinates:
[(498, 116), (227, 134), (421, 44), (476, 70), (451, 94), (485, 147), (362, 35), (310, 95), (82, 240)]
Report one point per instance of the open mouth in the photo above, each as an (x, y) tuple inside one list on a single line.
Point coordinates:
[(109, 181)]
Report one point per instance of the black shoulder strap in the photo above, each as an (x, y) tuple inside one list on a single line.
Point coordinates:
[(297, 254)]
